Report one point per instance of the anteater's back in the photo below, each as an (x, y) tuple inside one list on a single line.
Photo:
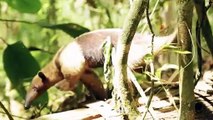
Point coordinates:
[(91, 44)]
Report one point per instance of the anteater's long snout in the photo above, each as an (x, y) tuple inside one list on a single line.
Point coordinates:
[(26, 105), (30, 97)]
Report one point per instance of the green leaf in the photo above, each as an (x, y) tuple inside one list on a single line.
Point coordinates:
[(182, 52), (148, 58), (72, 29), (171, 47), (19, 65), (25, 6), (176, 49)]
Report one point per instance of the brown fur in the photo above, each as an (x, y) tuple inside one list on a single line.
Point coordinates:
[(74, 62)]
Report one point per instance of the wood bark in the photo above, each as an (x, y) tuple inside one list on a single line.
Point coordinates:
[(185, 11), (123, 99)]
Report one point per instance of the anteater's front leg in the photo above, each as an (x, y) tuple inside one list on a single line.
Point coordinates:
[(89, 79)]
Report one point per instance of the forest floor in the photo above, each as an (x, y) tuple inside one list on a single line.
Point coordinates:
[(162, 106), (203, 105)]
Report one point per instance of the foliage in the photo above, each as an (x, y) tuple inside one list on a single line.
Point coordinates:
[(20, 66), (73, 30), (28, 41), (32, 31), (25, 6)]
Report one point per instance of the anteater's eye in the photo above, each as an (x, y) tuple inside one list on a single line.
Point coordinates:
[(35, 89)]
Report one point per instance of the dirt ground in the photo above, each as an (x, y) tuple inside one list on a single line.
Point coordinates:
[(203, 105)]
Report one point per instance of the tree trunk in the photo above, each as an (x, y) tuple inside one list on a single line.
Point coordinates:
[(185, 11), (123, 98)]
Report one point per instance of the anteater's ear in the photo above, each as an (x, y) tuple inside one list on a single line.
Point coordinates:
[(43, 77)]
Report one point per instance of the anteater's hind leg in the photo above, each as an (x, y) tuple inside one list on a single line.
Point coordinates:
[(93, 84)]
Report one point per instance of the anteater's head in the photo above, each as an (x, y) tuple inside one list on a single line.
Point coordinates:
[(39, 85)]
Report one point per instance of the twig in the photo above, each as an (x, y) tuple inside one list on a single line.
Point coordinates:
[(109, 17), (209, 5), (31, 48), (151, 63), (20, 21), (141, 92), (15, 116), (6, 111), (154, 9), (4, 41)]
